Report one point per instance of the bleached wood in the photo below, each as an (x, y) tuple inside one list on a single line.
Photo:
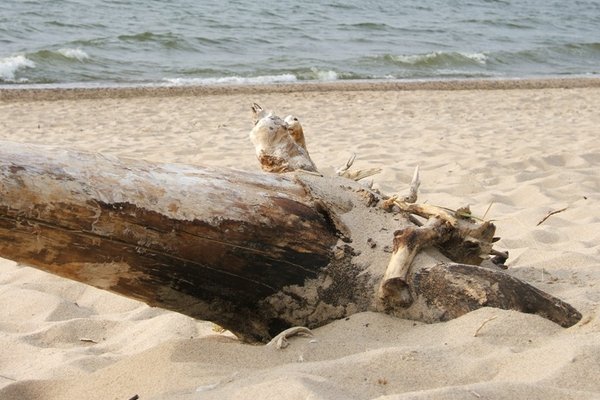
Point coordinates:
[(394, 291), (276, 150)]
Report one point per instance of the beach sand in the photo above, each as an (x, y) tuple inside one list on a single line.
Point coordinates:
[(520, 149)]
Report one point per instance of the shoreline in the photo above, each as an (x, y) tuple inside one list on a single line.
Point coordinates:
[(76, 93)]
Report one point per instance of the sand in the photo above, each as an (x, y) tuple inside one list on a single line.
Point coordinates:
[(526, 149)]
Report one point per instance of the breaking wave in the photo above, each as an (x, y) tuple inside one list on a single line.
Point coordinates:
[(65, 54), (9, 67), (309, 74), (76, 54), (434, 59), (233, 80)]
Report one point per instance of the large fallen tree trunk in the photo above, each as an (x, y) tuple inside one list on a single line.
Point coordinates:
[(204, 242), (253, 252)]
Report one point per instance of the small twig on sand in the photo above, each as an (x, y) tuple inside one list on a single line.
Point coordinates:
[(551, 213), (483, 324), (8, 378), (486, 211)]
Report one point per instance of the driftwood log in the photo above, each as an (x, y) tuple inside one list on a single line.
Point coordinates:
[(254, 252)]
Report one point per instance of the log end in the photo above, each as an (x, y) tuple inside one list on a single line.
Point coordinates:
[(394, 293)]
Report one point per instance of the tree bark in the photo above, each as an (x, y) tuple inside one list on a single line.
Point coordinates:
[(254, 252), (204, 242)]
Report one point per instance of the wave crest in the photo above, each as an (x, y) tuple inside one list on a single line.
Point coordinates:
[(233, 80), (10, 65), (308, 74), (436, 59), (167, 40), (76, 54)]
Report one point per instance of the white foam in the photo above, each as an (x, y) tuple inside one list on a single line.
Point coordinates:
[(77, 53), (233, 80), (10, 65), (319, 75), (325, 75), (481, 58), (415, 58)]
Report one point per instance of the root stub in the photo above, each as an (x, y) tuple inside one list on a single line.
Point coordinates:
[(455, 289)]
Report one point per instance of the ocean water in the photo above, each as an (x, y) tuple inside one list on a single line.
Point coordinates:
[(187, 42)]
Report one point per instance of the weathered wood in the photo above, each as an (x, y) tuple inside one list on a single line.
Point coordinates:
[(279, 146), (447, 291), (204, 242), (394, 291), (254, 252)]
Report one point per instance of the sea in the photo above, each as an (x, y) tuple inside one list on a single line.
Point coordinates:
[(104, 43)]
